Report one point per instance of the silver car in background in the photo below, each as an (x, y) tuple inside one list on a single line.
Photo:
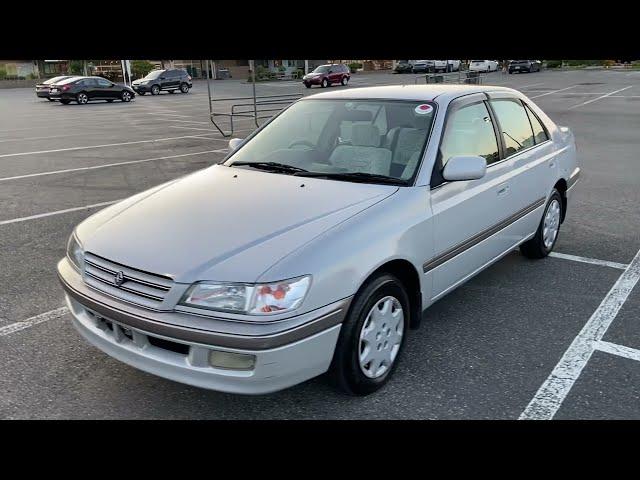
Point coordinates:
[(319, 241)]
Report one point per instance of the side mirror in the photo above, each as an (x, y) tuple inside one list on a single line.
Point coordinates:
[(467, 167), (234, 143)]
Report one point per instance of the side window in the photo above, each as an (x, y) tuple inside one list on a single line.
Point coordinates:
[(469, 131), (539, 133), (104, 83), (516, 129)]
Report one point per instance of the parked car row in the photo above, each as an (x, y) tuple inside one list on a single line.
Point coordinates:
[(83, 89)]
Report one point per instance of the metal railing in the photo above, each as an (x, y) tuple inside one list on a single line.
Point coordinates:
[(465, 77), (253, 107)]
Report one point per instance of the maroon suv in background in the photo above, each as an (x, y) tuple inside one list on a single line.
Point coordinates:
[(325, 75)]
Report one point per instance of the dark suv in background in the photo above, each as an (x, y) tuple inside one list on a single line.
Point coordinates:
[(168, 80), (325, 75), (524, 66)]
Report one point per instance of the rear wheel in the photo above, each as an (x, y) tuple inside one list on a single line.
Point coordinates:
[(82, 98), (125, 96), (545, 238), (155, 90), (372, 337), (110, 100), (184, 88)]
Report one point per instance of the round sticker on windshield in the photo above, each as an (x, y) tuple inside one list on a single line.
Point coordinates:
[(423, 109)]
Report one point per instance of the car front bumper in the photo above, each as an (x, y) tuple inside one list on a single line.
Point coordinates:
[(313, 81), (134, 334), (141, 88)]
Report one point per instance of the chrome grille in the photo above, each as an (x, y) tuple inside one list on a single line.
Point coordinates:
[(142, 288)]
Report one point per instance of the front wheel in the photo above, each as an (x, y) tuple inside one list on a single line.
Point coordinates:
[(547, 234), (184, 88), (372, 336), (155, 90), (125, 96), (308, 85), (344, 81), (82, 98)]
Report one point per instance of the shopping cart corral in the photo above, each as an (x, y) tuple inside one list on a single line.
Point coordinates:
[(462, 77), (255, 107)]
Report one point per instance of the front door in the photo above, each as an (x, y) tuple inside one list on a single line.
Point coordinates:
[(469, 216)]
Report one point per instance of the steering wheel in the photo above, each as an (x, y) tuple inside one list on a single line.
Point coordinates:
[(305, 143)]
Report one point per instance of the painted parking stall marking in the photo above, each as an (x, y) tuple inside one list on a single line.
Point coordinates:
[(558, 384)]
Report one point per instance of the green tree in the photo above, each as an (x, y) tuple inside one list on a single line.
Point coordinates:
[(76, 67), (140, 68)]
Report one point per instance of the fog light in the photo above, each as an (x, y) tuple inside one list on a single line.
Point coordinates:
[(231, 361)]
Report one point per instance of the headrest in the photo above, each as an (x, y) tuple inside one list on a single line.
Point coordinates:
[(365, 135)]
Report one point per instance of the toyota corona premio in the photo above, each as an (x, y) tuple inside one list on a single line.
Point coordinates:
[(318, 242)]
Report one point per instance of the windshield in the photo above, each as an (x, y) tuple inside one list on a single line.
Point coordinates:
[(153, 75), (372, 137), (321, 69)]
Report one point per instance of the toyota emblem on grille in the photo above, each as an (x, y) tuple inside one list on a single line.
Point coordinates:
[(119, 279)]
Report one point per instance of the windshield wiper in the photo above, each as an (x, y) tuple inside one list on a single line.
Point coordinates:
[(271, 166), (355, 177)]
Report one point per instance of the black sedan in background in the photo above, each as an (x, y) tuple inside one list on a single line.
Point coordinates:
[(85, 89), (42, 89)]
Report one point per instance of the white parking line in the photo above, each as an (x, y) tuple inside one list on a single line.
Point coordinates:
[(30, 322), (618, 350), (596, 99), (553, 91), (181, 121), (101, 146), (58, 212), (593, 261), (95, 167), (212, 129), (555, 388)]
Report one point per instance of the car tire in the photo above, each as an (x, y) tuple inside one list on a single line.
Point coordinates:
[(548, 230), (324, 83), (141, 93), (349, 363), (125, 96), (155, 90), (344, 81), (184, 88), (171, 91), (308, 85), (65, 102), (82, 98)]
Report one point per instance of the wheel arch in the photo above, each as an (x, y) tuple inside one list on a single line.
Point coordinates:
[(561, 186), (406, 272)]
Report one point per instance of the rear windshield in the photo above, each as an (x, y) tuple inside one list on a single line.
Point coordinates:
[(70, 80)]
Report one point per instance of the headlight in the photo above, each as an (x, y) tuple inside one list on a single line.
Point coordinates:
[(252, 299), (75, 252)]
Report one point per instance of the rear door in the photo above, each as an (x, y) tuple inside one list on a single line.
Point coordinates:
[(90, 85), (335, 76), (531, 155), (469, 216)]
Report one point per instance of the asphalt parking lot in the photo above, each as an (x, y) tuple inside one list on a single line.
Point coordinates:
[(557, 338)]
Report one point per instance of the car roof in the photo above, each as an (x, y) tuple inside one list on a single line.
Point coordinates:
[(410, 92)]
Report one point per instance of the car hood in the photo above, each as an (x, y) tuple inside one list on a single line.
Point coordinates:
[(223, 223)]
